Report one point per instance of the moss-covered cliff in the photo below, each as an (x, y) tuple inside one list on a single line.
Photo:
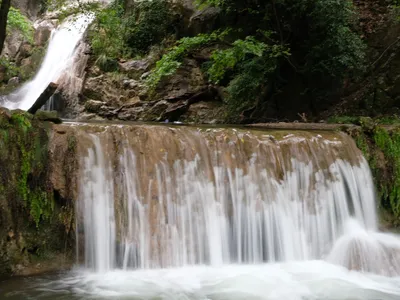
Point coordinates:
[(381, 147), (33, 235)]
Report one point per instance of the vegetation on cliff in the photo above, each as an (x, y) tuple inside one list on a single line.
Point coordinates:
[(269, 46), (31, 229), (12, 20), (379, 140)]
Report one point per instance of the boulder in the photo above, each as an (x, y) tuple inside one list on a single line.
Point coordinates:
[(93, 105), (13, 82), (134, 68), (25, 50), (205, 113), (43, 32), (187, 81), (12, 44), (50, 116), (204, 20), (29, 8)]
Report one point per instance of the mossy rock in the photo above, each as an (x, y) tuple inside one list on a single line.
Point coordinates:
[(381, 147), (30, 227), (50, 116)]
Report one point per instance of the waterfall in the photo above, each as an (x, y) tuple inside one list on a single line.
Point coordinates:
[(59, 62), (164, 197), (59, 56)]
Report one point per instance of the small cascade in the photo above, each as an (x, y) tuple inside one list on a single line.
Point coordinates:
[(162, 197), (59, 56)]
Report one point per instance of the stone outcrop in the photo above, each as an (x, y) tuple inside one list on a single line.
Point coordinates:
[(30, 8), (35, 218), (185, 97), (25, 56)]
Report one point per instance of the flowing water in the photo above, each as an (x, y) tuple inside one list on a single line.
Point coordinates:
[(189, 213), (212, 214), (58, 62)]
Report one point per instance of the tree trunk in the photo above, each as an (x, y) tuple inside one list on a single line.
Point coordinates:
[(47, 93), (4, 9)]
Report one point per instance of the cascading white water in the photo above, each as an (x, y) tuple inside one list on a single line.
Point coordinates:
[(182, 197), (59, 56), (219, 214)]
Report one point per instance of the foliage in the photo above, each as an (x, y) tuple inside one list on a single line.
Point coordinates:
[(148, 24), (171, 61), (224, 60), (8, 67), (381, 147), (250, 82), (334, 47), (107, 34), (17, 21), (389, 144), (252, 62), (23, 157), (269, 42), (116, 34)]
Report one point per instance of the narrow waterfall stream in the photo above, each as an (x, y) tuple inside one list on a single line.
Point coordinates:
[(221, 213), (57, 63)]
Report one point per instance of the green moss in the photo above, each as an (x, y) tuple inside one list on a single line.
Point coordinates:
[(389, 143), (362, 144), (381, 147), (23, 149)]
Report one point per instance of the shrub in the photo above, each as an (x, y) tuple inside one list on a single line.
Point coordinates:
[(171, 61), (107, 33), (17, 21), (148, 24)]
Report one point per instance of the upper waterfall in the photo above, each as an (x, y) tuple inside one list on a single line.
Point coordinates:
[(58, 63), (59, 57), (157, 196)]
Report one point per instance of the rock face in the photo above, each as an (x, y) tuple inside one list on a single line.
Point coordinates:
[(126, 96), (30, 8), (35, 220), (25, 56)]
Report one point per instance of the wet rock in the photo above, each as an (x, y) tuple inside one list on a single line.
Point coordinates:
[(43, 32), (93, 106), (13, 82), (25, 50), (30, 220), (188, 80), (131, 114), (204, 20), (12, 44), (29, 8), (174, 111), (50, 116), (30, 64), (205, 113), (133, 102), (5, 115), (108, 112), (89, 116), (135, 68), (156, 112)]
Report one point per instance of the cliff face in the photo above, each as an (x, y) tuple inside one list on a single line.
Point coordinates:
[(30, 8), (35, 221), (25, 44)]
